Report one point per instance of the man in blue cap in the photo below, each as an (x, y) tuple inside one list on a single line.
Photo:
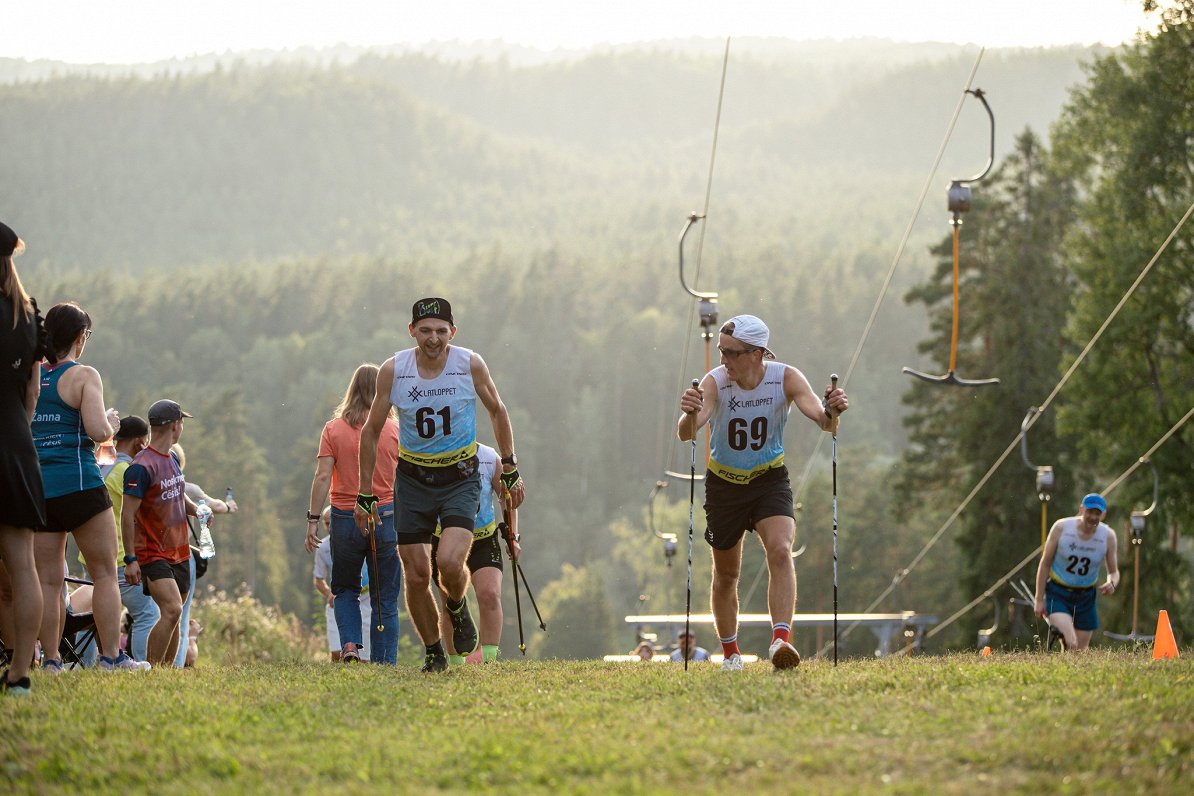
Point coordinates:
[(1065, 580)]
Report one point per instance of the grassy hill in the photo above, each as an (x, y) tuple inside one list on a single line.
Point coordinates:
[(1024, 723)]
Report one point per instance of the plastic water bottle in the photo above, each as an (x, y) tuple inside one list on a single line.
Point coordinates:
[(105, 453), (207, 548)]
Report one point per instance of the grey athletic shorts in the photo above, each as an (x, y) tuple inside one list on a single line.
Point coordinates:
[(421, 507)]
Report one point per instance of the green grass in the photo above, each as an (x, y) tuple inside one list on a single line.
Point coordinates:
[(1101, 722)]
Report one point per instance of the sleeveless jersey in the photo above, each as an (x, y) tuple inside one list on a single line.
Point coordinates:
[(485, 524), (748, 426), (66, 453), (486, 521), (437, 418), (1076, 563)]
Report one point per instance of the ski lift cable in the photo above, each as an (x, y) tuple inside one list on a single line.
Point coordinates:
[(895, 260), (1106, 491), (683, 377), (1030, 422)]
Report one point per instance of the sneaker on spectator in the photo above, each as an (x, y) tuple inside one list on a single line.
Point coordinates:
[(52, 666), (16, 688), (732, 663), (350, 654), (783, 655), (123, 662)]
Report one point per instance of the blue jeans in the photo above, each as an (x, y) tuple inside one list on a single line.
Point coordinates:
[(184, 624), (143, 612), (350, 549)]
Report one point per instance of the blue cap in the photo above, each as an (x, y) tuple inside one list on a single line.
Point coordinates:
[(1094, 501)]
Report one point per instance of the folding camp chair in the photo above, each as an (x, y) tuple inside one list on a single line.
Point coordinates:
[(77, 633)]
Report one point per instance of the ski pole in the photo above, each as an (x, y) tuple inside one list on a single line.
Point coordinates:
[(691, 507), (527, 586), (833, 423), (510, 535)]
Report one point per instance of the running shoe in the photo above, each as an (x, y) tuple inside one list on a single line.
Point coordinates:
[(350, 654), (123, 662), (434, 662), (783, 655), (732, 663), (52, 666), (16, 688), (464, 632)]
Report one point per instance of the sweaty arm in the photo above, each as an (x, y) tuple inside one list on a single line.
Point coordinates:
[(503, 432), (379, 410), (128, 511), (196, 493), (97, 422), (499, 417), (320, 485), (696, 407), (1112, 561), (32, 391), (797, 390), (1042, 570)]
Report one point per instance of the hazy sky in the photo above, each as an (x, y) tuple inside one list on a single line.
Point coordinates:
[(130, 31)]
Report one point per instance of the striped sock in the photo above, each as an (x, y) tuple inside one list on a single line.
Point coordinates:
[(729, 646), (781, 630)]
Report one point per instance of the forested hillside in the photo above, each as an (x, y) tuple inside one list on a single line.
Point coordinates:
[(244, 235)]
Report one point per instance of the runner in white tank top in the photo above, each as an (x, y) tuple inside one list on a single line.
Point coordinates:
[(1069, 568), (436, 479), (747, 401)]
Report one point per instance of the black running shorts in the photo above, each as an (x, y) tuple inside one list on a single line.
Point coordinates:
[(160, 570), (733, 509), (485, 552), (68, 512)]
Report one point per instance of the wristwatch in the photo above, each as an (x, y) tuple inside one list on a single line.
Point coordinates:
[(130, 560), (312, 517), (511, 460)]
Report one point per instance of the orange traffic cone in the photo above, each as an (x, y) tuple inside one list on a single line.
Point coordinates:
[(1164, 645), (986, 651)]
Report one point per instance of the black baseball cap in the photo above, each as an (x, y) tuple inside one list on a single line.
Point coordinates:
[(132, 427), (165, 412), (432, 307), (8, 240)]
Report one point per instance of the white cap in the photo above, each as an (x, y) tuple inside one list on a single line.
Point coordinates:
[(750, 330)]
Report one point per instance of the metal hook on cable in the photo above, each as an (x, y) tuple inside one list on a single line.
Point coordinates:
[(959, 202)]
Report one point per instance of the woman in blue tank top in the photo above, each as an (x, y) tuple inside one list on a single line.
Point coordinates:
[(68, 421)]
